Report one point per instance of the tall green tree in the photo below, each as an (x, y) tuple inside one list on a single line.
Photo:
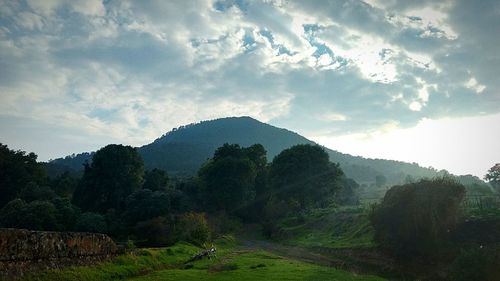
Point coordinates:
[(304, 174), (493, 176), (17, 170), (116, 172), (145, 204), (229, 178), (156, 180)]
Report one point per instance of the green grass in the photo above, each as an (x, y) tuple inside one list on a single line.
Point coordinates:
[(332, 228), (140, 262), (232, 263), (254, 265)]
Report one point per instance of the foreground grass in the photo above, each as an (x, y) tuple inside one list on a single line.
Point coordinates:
[(254, 265), (140, 262), (232, 263)]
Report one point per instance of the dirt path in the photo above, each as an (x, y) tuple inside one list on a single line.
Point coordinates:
[(297, 253)]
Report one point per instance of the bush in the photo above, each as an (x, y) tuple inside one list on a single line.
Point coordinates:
[(415, 219), (36, 215), (477, 263), (155, 232), (91, 222), (193, 228), (220, 223)]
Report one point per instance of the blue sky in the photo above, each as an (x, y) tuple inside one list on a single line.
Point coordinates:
[(375, 78)]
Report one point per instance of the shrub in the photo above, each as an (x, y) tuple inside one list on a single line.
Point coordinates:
[(193, 227), (36, 215), (91, 222), (415, 219), (154, 232), (477, 263), (220, 223)]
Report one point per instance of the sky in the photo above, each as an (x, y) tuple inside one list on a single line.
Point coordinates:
[(416, 81)]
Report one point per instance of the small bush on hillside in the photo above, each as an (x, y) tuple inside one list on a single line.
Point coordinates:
[(415, 219), (193, 227)]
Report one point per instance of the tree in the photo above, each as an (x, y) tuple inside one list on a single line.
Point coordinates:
[(36, 215), (116, 172), (145, 204), (304, 174), (193, 228), (414, 219), (229, 178), (156, 180), (157, 232), (65, 184), (11, 215), (348, 193), (91, 222), (17, 169), (228, 182), (67, 213), (380, 180), (493, 176)]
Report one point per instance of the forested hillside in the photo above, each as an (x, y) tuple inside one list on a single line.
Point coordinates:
[(183, 150)]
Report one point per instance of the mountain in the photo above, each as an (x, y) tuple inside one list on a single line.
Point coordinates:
[(183, 150)]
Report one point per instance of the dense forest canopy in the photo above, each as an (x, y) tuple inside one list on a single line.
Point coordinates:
[(116, 195)]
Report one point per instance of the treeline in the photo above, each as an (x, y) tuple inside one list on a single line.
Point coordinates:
[(117, 196)]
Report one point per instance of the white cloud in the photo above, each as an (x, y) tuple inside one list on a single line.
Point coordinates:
[(474, 85), (332, 117), (130, 70)]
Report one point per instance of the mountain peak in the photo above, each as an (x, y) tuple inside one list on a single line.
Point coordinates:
[(243, 130)]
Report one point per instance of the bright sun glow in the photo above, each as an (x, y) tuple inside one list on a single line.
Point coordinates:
[(462, 146)]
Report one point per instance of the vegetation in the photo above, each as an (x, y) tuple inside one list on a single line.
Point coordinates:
[(415, 219), (115, 172), (17, 170), (334, 228), (228, 180), (184, 150), (300, 198), (493, 176), (231, 263), (304, 176)]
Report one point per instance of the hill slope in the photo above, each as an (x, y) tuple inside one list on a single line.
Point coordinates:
[(183, 150), (186, 148)]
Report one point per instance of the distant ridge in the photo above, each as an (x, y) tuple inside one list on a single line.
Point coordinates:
[(183, 150)]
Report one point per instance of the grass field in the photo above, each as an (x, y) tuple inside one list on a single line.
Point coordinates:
[(233, 262), (331, 228)]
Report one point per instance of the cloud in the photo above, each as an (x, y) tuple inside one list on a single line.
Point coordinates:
[(130, 70)]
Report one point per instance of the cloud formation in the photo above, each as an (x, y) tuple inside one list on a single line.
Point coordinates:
[(95, 72)]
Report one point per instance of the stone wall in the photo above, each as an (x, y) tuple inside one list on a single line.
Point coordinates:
[(23, 251)]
